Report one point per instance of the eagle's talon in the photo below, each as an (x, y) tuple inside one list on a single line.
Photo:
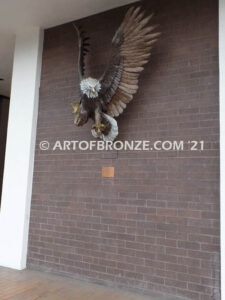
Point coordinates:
[(98, 127), (75, 107)]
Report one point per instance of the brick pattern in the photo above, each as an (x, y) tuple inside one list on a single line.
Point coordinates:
[(154, 227)]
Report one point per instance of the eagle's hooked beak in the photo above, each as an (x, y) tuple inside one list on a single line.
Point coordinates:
[(93, 90)]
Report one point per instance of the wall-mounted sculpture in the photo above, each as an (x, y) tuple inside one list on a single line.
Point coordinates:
[(105, 98)]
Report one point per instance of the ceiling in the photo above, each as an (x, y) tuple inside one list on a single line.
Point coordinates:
[(18, 14)]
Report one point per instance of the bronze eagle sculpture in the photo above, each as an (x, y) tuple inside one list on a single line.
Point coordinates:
[(105, 98)]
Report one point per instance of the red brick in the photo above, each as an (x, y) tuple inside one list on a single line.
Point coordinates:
[(166, 212), (189, 213), (189, 245)]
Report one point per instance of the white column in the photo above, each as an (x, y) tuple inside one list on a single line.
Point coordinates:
[(222, 139), (19, 159)]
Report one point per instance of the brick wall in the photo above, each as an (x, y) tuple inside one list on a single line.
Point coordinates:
[(155, 226)]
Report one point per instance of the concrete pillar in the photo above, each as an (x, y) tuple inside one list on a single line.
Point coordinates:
[(20, 146)]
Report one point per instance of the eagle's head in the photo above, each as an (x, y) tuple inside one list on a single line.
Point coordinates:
[(90, 87)]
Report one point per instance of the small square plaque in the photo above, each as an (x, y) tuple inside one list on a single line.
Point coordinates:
[(108, 172)]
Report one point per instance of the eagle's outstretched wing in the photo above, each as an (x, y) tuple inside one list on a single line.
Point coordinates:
[(131, 47), (83, 50)]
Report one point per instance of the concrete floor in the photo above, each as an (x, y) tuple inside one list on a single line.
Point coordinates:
[(32, 285)]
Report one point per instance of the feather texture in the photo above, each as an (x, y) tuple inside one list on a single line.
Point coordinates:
[(131, 46), (83, 50)]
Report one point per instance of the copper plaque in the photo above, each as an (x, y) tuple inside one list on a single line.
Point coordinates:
[(108, 172)]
